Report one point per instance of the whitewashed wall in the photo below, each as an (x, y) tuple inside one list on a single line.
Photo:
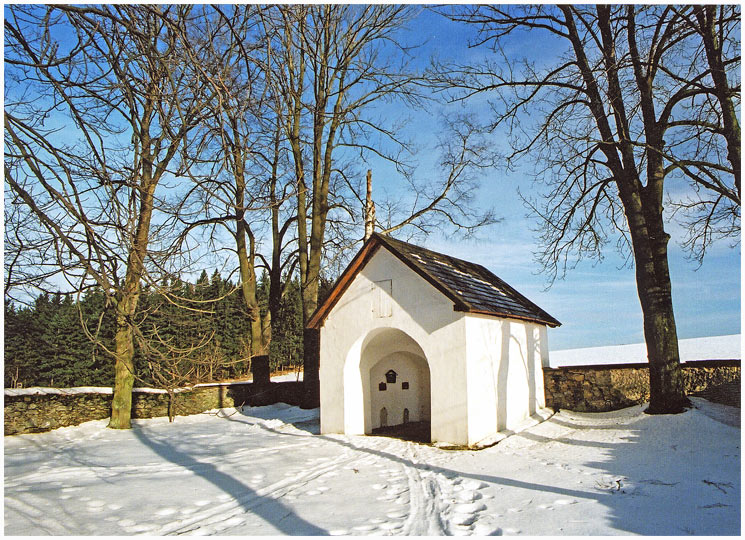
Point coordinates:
[(505, 379), (355, 337), (390, 315), (410, 369)]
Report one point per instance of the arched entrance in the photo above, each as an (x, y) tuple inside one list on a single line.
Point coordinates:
[(394, 378), (400, 396)]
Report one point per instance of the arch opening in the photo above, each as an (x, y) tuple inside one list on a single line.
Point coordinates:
[(392, 379)]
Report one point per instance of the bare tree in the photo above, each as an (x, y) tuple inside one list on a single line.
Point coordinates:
[(713, 213), (330, 65), (628, 102), (245, 187), (98, 110)]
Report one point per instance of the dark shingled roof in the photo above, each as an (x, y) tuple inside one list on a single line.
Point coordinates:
[(470, 286)]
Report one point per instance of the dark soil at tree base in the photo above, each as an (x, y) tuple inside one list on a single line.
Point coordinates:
[(411, 431)]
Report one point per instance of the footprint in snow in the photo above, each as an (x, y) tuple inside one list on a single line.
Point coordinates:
[(486, 529), (468, 496), (463, 520), (398, 514), (96, 506), (397, 490), (473, 484), (232, 522)]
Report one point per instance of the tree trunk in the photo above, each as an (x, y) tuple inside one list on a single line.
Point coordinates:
[(311, 364), (171, 404), (706, 16), (121, 404), (246, 253), (649, 241), (124, 370)]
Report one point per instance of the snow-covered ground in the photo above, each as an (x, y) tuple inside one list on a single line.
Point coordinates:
[(265, 470), (288, 377), (708, 348)]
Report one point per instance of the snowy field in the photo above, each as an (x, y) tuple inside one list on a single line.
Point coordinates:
[(708, 348), (266, 471)]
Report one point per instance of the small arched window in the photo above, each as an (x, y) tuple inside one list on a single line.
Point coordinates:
[(383, 417)]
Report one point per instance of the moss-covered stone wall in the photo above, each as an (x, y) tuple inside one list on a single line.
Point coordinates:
[(32, 413), (610, 387)]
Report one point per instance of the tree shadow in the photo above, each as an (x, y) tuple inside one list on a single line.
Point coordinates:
[(271, 510), (653, 503), (425, 467)]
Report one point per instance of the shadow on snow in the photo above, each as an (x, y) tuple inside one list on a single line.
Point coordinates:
[(272, 511)]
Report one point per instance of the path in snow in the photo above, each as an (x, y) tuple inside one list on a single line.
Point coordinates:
[(265, 471)]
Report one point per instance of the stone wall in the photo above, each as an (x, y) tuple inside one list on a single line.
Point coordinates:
[(36, 412), (610, 387), (579, 388)]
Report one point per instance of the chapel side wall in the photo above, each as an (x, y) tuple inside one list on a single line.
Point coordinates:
[(483, 342), (505, 377), (418, 310)]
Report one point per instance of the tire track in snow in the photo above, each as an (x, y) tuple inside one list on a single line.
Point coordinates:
[(425, 498)]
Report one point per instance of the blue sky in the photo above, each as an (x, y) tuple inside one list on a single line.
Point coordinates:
[(596, 302)]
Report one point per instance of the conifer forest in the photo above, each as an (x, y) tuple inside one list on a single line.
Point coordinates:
[(46, 344)]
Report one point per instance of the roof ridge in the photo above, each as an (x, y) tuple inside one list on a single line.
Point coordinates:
[(484, 272), (471, 286)]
